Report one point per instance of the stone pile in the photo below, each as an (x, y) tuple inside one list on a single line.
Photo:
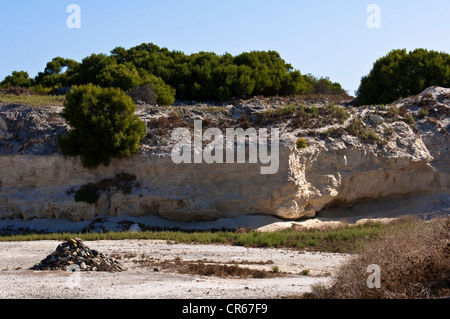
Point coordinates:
[(74, 255)]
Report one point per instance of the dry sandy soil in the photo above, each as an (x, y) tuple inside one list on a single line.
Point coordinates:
[(141, 280)]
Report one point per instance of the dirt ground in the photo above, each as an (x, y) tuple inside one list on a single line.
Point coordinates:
[(155, 270)]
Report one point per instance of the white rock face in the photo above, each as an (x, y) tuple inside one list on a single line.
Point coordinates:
[(35, 186), (335, 171)]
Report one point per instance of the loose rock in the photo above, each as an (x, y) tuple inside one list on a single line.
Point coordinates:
[(73, 253)]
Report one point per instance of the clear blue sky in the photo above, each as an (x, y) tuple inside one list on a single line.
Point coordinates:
[(322, 37)]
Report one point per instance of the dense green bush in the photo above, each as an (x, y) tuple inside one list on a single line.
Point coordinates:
[(164, 93), (206, 75), (199, 76), (401, 74), (57, 73), (316, 85), (143, 93), (89, 69), (103, 125), (17, 78), (123, 76)]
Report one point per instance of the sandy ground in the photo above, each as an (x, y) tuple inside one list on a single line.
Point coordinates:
[(142, 281)]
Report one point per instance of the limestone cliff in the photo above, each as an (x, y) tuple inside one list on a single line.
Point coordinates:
[(400, 150)]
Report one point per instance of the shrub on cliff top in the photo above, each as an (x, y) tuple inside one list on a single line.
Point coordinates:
[(103, 125), (17, 78), (401, 74)]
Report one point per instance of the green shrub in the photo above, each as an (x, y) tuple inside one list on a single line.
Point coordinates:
[(410, 119), (393, 112), (402, 74), (336, 112), (17, 78), (388, 131), (143, 93), (103, 125), (356, 127), (87, 193), (120, 76), (322, 85), (370, 136), (313, 111), (424, 112), (56, 73), (289, 109), (301, 143), (164, 94), (127, 77), (89, 69), (198, 76)]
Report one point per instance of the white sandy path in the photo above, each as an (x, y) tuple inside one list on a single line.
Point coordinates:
[(143, 282)]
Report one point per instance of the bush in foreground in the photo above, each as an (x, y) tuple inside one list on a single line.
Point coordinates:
[(414, 259)]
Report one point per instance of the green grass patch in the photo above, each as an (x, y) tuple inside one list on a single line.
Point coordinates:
[(301, 143), (346, 239), (32, 100)]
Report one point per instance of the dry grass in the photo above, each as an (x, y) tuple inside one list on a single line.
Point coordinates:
[(164, 125), (414, 260), (32, 100), (302, 116)]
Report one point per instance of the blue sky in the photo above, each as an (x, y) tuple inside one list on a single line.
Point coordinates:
[(322, 37)]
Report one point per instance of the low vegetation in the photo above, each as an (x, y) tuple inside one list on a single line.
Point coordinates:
[(363, 132), (414, 261), (301, 143), (413, 255), (343, 239), (299, 115), (32, 100)]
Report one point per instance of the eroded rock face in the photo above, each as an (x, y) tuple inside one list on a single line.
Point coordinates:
[(335, 169), (36, 186)]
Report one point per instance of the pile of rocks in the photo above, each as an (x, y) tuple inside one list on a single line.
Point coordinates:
[(74, 255)]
